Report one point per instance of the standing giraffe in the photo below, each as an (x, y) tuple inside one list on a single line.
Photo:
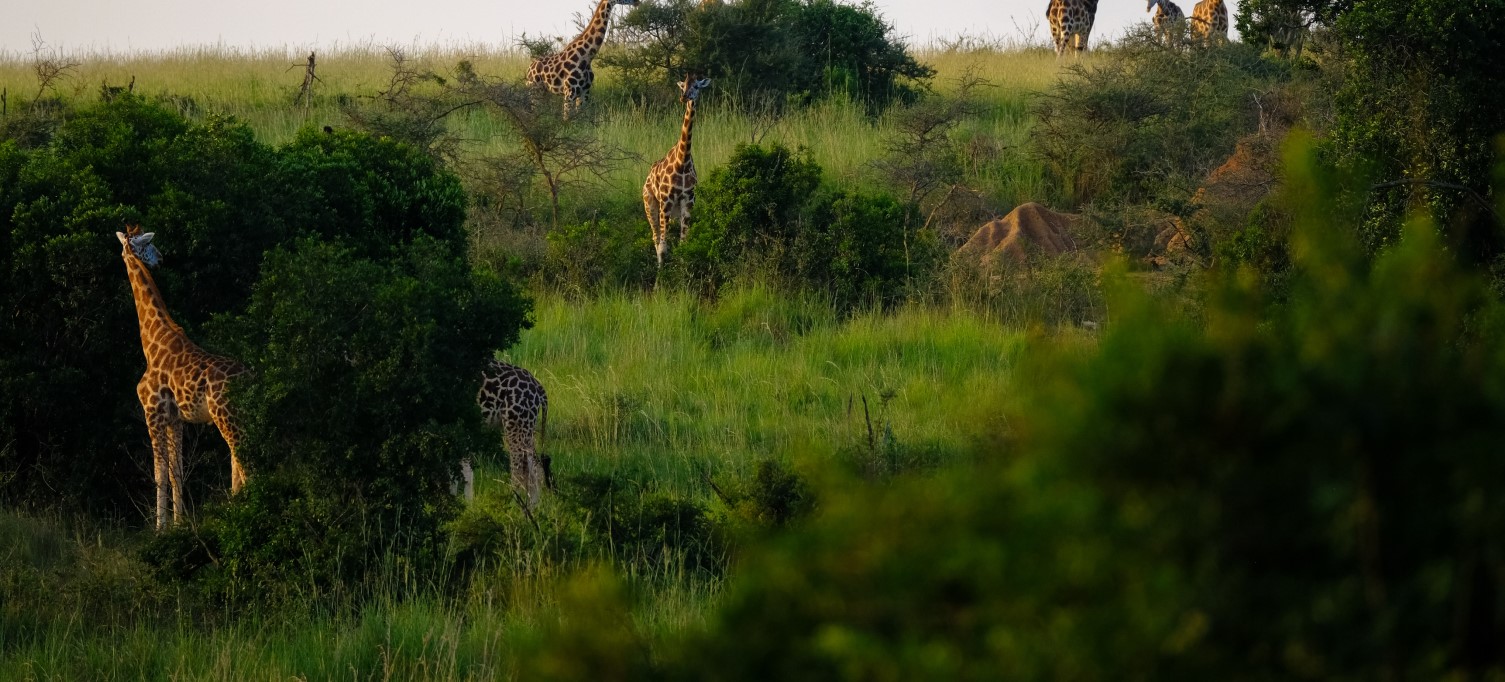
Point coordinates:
[(1209, 22), (512, 398), (1070, 24), (568, 71), (182, 382), (670, 188), (1168, 18)]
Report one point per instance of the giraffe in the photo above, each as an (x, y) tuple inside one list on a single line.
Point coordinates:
[(670, 188), (1070, 24), (512, 398), (182, 382), (568, 71), (1168, 18), (1209, 22)]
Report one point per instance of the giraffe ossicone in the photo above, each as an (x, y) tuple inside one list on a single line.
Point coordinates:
[(513, 399), (669, 191), (182, 382), (568, 71)]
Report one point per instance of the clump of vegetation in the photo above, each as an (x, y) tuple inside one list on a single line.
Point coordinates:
[(771, 52), (766, 215), (1149, 122)]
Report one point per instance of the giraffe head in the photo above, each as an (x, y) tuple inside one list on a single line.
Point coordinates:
[(134, 244), (689, 88)]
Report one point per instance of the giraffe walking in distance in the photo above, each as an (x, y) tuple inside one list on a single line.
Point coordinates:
[(568, 71), (1209, 22), (1070, 24), (1168, 20), (182, 382), (512, 398), (669, 191)]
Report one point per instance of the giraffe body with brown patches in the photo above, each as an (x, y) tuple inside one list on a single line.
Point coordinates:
[(568, 71), (1169, 20), (669, 191), (182, 383), (1070, 24), (512, 398), (1209, 22)]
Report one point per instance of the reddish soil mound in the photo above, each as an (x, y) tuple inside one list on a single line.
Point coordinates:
[(1029, 228), (1245, 178)]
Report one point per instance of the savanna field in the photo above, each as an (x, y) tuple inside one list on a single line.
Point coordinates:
[(1223, 399)]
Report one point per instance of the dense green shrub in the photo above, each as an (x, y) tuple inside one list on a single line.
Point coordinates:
[(765, 215), (1150, 122), (771, 52), (595, 256), (1418, 110), (374, 195), (362, 403)]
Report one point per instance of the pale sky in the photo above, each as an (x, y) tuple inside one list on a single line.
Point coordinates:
[(153, 25)]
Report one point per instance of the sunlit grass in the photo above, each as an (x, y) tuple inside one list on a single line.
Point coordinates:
[(259, 87)]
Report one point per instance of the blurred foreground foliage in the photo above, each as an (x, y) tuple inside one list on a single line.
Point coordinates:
[(1307, 489)]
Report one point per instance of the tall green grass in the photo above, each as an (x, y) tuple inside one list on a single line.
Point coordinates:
[(259, 87), (658, 390)]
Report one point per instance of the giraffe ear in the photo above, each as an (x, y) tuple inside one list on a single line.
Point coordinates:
[(121, 237), (681, 86), (704, 82)]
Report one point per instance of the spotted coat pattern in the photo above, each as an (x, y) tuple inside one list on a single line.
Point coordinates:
[(568, 71), (1209, 22), (669, 191), (182, 383), (511, 398), (1168, 19), (1070, 24)]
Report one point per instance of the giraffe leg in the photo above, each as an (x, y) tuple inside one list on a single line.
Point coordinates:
[(175, 469), (684, 216), (156, 425), (523, 457), (652, 208), (661, 240), (219, 413), (469, 476)]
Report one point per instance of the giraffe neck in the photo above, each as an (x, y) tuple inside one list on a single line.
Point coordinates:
[(156, 325), (589, 40), (684, 134)]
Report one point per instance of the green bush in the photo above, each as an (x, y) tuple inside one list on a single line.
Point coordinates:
[(361, 406), (1417, 110), (594, 256), (765, 215), (1151, 121), (771, 52)]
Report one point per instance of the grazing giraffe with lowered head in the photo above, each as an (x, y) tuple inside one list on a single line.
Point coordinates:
[(1168, 18), (512, 398), (669, 190), (1070, 24), (1209, 22), (182, 382), (568, 71)]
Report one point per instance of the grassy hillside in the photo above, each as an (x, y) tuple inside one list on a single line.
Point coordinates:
[(259, 87), (659, 391)]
